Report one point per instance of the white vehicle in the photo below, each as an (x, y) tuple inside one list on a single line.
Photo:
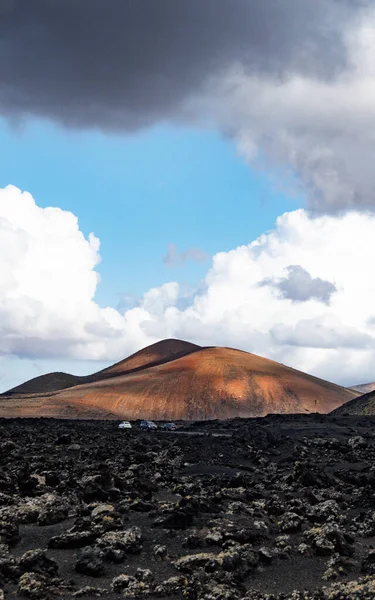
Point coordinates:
[(125, 425)]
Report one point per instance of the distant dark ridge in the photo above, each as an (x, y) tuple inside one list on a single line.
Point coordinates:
[(361, 406), (45, 383)]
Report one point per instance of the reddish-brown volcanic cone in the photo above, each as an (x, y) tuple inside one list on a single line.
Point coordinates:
[(213, 383)]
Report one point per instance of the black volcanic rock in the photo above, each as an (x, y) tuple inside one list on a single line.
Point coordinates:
[(36, 561), (278, 508), (90, 561)]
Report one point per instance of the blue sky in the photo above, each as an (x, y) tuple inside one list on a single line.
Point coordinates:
[(140, 192)]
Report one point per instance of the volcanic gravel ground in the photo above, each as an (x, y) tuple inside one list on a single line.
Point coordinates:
[(275, 508)]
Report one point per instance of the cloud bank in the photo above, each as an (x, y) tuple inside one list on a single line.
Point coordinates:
[(291, 81), (119, 64), (302, 127), (48, 280)]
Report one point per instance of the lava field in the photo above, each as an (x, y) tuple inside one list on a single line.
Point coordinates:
[(279, 508)]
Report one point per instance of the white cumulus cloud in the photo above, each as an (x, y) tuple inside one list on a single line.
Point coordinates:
[(48, 282), (332, 340)]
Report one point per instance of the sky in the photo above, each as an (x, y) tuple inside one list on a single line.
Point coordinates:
[(198, 171)]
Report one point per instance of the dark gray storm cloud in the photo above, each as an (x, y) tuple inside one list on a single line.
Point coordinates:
[(124, 64), (299, 286), (292, 81)]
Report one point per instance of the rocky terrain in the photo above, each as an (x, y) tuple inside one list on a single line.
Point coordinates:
[(363, 405), (280, 508), (177, 380)]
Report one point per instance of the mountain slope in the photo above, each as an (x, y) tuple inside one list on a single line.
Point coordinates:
[(364, 388), (205, 384), (363, 405)]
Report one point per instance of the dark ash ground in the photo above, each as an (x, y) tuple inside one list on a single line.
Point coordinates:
[(282, 508)]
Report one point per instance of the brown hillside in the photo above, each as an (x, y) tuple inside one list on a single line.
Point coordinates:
[(206, 384)]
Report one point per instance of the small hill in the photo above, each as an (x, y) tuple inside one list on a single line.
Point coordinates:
[(45, 383), (363, 405), (206, 383), (364, 388)]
